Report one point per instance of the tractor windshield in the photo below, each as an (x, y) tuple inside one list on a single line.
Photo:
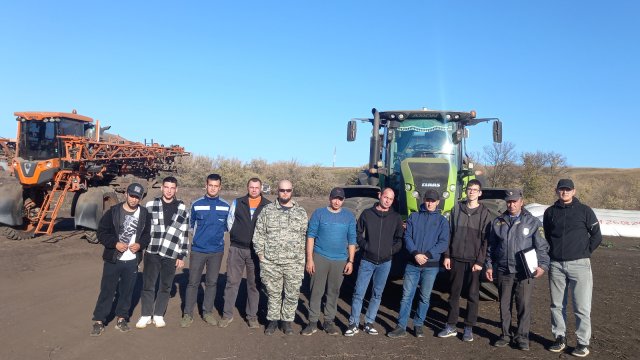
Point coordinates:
[(38, 140), (421, 138)]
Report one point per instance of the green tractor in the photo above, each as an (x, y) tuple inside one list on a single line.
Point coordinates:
[(412, 151)]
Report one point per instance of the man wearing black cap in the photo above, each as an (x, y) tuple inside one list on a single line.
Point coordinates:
[(574, 233), (426, 239), (331, 246), (513, 234), (124, 230)]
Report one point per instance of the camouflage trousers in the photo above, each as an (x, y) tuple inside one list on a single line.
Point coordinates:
[(279, 279)]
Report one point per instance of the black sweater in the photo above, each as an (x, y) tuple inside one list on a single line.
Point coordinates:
[(241, 232), (572, 230), (380, 234)]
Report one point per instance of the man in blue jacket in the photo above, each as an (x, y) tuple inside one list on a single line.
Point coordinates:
[(209, 223), (511, 233), (426, 239)]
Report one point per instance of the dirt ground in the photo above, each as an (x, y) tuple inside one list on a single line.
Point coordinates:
[(49, 288)]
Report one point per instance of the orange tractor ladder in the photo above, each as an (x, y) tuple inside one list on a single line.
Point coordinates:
[(60, 188)]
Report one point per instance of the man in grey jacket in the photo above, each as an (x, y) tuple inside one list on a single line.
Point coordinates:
[(512, 233)]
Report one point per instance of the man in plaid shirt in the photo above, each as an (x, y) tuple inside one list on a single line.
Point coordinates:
[(165, 253)]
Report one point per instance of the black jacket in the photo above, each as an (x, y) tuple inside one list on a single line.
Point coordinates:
[(573, 231), (379, 234), (241, 232), (109, 229), (469, 232)]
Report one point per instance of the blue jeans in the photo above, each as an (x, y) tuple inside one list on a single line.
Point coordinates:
[(379, 273), (414, 276), (575, 275)]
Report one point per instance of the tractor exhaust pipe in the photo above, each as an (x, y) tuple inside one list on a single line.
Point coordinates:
[(374, 148)]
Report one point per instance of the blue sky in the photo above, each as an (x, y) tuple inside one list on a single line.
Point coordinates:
[(279, 80)]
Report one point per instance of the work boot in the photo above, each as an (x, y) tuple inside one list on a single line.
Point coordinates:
[(271, 327), (286, 328)]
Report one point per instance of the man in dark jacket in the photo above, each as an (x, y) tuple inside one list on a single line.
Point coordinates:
[(574, 233), (125, 231), (379, 234), (464, 258), (426, 239), (513, 234), (241, 223)]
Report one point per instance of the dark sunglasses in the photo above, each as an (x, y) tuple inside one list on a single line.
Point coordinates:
[(285, 190)]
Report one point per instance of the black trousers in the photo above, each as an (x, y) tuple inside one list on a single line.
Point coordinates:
[(461, 276), (164, 268), (120, 275), (519, 288)]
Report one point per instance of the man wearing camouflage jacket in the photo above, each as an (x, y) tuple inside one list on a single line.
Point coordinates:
[(279, 241)]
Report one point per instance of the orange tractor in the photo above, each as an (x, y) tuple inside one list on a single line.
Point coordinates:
[(57, 153)]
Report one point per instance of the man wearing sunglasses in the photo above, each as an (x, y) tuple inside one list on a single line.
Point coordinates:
[(124, 231), (279, 242)]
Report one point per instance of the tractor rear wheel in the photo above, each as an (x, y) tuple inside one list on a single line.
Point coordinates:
[(359, 204)]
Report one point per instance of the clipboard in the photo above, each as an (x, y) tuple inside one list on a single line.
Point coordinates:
[(529, 260)]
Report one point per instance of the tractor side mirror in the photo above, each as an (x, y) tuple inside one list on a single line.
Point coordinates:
[(351, 130), (497, 131)]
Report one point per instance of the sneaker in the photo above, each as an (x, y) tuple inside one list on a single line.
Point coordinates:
[(369, 329), (330, 328), (523, 345), (352, 329), (186, 320), (224, 322), (418, 331), (159, 321), (98, 329), (122, 325), (448, 331), (253, 323), (502, 341), (309, 329), (271, 327), (286, 328), (143, 322), (468, 334), (398, 332), (580, 351), (210, 319), (559, 344)]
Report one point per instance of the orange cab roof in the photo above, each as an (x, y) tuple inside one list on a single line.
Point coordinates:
[(40, 115)]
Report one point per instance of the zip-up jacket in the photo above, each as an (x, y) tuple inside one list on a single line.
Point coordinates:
[(109, 230), (379, 234), (209, 223), (240, 222), (573, 230), (510, 235), (427, 233), (469, 230), (168, 241), (279, 236)]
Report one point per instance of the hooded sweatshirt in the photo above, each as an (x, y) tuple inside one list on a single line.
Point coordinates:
[(379, 234)]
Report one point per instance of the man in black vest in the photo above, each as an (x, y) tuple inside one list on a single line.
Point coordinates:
[(241, 224)]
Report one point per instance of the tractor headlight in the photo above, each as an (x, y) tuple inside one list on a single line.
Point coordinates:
[(452, 188), (416, 195), (48, 164), (408, 187), (445, 195)]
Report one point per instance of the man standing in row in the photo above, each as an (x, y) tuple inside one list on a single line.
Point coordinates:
[(123, 231), (166, 252), (464, 258), (241, 224), (574, 234), (279, 242), (331, 247), (512, 233), (426, 239), (379, 233), (209, 222)]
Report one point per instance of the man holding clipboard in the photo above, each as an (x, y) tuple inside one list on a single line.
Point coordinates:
[(517, 252)]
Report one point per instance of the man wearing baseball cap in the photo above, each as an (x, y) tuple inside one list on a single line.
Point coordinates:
[(331, 246), (574, 234), (426, 239), (124, 231)]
